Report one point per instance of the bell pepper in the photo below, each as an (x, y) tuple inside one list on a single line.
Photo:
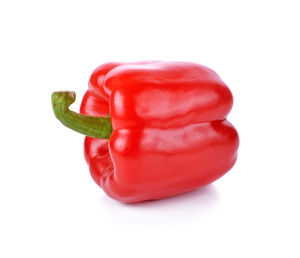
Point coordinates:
[(153, 129)]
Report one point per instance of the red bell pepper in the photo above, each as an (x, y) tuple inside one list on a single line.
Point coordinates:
[(154, 129)]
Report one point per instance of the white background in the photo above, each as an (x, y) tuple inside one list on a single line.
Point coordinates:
[(50, 207)]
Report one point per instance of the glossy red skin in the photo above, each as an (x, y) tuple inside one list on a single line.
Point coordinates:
[(170, 133)]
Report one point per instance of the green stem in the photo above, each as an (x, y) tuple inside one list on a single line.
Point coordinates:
[(96, 127)]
